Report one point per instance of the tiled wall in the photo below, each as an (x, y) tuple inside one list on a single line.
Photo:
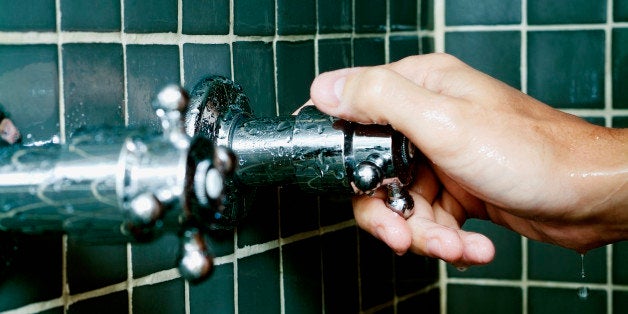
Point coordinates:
[(573, 55), (67, 64)]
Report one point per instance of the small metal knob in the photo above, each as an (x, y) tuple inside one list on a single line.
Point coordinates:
[(196, 262), (367, 176), (145, 210), (399, 200)]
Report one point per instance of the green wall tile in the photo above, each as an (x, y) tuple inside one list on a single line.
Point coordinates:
[(88, 269), (566, 12), (620, 10), (368, 51), (340, 274), (507, 262), (403, 15), (566, 68), (97, 15), (216, 293), (93, 86), (620, 122), (298, 211), (27, 15), (427, 14), (370, 16), (302, 276), (203, 60), (620, 68), (487, 12), (620, 301), (117, 302), (254, 17), (262, 223), (206, 17), (259, 291), (165, 297), (335, 16), (427, 45), (29, 79), (376, 271), (150, 16), (296, 17), (502, 61), (620, 257), (334, 54), (253, 68), (426, 303), (403, 46), (335, 209), (549, 262), (414, 273), (295, 73), (157, 255), (551, 301), (480, 299)]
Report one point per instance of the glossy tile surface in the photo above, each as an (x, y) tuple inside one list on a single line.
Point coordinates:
[(296, 17), (28, 15), (150, 16), (470, 299), (370, 16), (566, 12), (335, 16), (566, 300), (206, 17), (254, 17), (97, 15), (487, 12), (620, 68)]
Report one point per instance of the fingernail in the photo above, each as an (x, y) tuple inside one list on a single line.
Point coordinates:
[(339, 87), (433, 247)]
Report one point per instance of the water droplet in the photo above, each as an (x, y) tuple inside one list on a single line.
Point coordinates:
[(320, 129), (462, 268), (583, 293), (253, 131), (241, 162), (282, 126), (582, 272)]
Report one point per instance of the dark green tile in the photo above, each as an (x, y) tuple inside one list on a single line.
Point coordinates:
[(370, 16), (204, 60), (507, 262), (298, 211), (206, 17), (58, 310), (550, 262), (302, 276), (97, 15), (165, 297), (472, 299), (340, 271), (157, 16), (253, 69), (566, 68), (427, 45), (427, 14), (262, 223), (93, 86), (502, 61), (414, 273), (551, 300), (215, 293), (368, 51), (566, 12), (117, 302), (620, 257), (403, 46), (376, 271), (620, 10), (259, 275), (296, 17), (88, 269), (295, 72), (403, 15), (620, 301), (34, 274), (428, 303), (334, 54), (620, 68), (601, 121), (335, 209), (487, 12), (159, 254), (620, 122), (29, 80), (254, 17), (27, 15), (335, 16), (149, 69)]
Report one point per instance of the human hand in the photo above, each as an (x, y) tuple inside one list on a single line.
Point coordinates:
[(492, 153)]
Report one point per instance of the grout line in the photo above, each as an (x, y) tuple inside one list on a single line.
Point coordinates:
[(65, 288), (524, 27), (59, 42), (387, 34), (129, 276), (236, 288), (439, 26), (179, 42), (125, 80), (608, 63)]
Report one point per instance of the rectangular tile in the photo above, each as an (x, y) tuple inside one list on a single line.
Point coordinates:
[(620, 301), (620, 11), (295, 73), (413, 273), (254, 17), (262, 222), (428, 303), (159, 254), (488, 12), (93, 86), (620, 122), (551, 300), (566, 68), (335, 209), (214, 294), (298, 211), (369, 51), (566, 12), (507, 262), (334, 54), (27, 15), (502, 61), (370, 16), (259, 292), (403, 46), (620, 251), (335, 16), (201, 60), (117, 302), (165, 297), (302, 276), (95, 266), (340, 271), (479, 299), (29, 89), (403, 15), (158, 16), (549, 262), (427, 15), (296, 17), (206, 17), (620, 68), (97, 15), (149, 69), (376, 271), (253, 68)]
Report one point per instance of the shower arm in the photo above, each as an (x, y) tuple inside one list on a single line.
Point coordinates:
[(196, 177)]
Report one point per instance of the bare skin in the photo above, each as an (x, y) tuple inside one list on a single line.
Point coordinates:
[(492, 153), (8, 131)]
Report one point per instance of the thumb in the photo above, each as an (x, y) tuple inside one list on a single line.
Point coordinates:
[(378, 95)]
